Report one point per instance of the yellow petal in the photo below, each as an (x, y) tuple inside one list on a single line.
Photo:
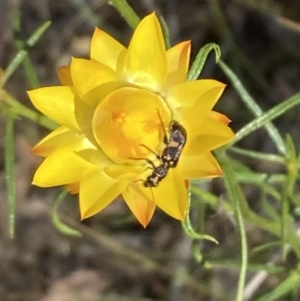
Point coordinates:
[(170, 195), (92, 154), (146, 61), (142, 207), (98, 191), (106, 50), (90, 74), (204, 91), (63, 166), (211, 135), (57, 103), (53, 141), (197, 167), (178, 63), (218, 116), (64, 75), (83, 114), (123, 172), (95, 96)]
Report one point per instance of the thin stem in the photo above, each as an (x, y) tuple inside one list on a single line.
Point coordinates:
[(61, 226), (288, 190), (263, 223), (10, 174), (187, 225), (235, 194)]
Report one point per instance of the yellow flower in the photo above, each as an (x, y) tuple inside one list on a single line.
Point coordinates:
[(111, 108)]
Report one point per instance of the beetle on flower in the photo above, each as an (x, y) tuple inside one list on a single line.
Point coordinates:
[(107, 110)]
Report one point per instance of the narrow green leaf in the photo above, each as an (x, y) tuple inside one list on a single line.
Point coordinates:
[(265, 118), (13, 65), (126, 12), (283, 288), (37, 34), (200, 60), (260, 177), (22, 54), (262, 182), (256, 110), (288, 189), (266, 246), (210, 199), (210, 263), (258, 155), (166, 32), (20, 45), (10, 174), (59, 225)]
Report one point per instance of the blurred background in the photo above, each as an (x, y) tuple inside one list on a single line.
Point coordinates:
[(116, 259)]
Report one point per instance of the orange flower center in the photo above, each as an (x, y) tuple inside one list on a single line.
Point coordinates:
[(127, 125)]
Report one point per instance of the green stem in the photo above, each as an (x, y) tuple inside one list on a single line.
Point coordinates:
[(126, 12), (60, 226), (235, 195), (187, 225), (10, 174), (273, 227)]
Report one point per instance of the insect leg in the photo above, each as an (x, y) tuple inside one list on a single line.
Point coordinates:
[(146, 159), (150, 150)]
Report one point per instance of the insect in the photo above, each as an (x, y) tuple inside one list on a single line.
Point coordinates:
[(174, 145), (171, 154), (159, 173)]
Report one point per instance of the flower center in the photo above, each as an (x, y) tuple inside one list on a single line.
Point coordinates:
[(119, 117), (129, 125)]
